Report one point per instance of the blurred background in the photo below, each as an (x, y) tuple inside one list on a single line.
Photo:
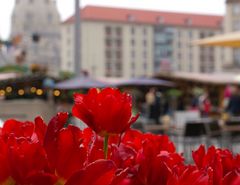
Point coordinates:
[(152, 49)]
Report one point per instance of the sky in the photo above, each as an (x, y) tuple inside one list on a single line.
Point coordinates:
[(66, 8)]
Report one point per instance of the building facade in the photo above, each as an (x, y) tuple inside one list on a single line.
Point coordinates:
[(232, 23), (131, 43), (38, 24)]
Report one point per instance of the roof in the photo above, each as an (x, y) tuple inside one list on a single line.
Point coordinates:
[(97, 13), (206, 78), (232, 1), (225, 40)]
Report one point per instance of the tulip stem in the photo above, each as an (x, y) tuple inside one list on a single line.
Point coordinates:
[(105, 147)]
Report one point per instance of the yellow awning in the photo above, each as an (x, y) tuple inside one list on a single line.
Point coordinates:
[(225, 40)]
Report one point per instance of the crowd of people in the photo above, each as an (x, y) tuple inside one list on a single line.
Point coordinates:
[(158, 104)]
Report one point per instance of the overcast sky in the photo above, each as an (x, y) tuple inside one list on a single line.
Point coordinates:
[(66, 8)]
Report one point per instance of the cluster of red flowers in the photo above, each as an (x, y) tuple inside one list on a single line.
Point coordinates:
[(106, 153)]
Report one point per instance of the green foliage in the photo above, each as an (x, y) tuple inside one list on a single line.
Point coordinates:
[(14, 68), (64, 75)]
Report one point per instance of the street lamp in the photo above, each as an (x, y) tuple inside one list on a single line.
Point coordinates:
[(77, 46)]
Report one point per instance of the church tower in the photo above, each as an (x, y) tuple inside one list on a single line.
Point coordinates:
[(38, 24)]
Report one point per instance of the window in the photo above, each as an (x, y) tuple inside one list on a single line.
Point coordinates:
[(236, 9), (190, 57), (108, 65), (69, 64), (119, 66), (133, 65), (179, 45), (29, 17), (119, 43), (179, 56), (108, 54), (108, 30), (190, 67), (119, 54), (131, 17), (118, 31), (68, 30), (188, 21), (160, 19), (144, 43), (50, 17), (68, 41), (190, 34), (210, 34), (13, 18), (68, 53), (144, 54), (144, 31), (133, 54), (133, 30), (236, 25), (145, 66), (133, 42), (179, 34), (202, 35), (26, 27), (108, 42)]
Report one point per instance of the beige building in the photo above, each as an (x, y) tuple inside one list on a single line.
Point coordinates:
[(38, 23), (232, 23), (129, 43)]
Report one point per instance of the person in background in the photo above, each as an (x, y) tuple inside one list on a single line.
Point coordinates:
[(195, 103), (153, 100), (227, 95), (150, 99), (205, 104), (157, 107), (234, 102)]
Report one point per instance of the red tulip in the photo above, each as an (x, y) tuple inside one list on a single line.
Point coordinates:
[(27, 160), (40, 129), (232, 178), (190, 176), (4, 162), (50, 140), (101, 172), (106, 112), (18, 129), (64, 146)]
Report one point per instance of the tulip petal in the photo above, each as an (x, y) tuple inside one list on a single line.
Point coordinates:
[(100, 172)]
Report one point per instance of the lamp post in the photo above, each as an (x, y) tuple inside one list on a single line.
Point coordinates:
[(77, 46)]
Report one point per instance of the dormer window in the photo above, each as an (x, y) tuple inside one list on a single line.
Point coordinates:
[(131, 17), (188, 21), (220, 24), (160, 19)]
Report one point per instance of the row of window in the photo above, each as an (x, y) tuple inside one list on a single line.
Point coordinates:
[(32, 1), (110, 31), (118, 30), (110, 54)]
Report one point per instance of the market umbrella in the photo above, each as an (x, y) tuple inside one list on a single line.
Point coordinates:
[(144, 81), (225, 40), (81, 82)]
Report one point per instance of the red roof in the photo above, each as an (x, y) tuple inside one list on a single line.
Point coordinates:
[(95, 13)]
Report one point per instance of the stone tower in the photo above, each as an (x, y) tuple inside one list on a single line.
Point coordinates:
[(38, 24)]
